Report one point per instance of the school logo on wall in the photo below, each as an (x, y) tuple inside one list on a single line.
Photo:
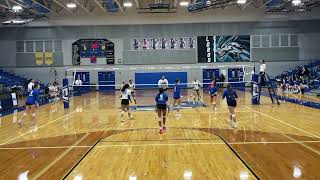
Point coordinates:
[(49, 58), (39, 58)]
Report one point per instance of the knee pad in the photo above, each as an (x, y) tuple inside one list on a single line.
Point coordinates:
[(178, 106), (159, 119), (214, 103), (25, 114), (122, 112), (233, 115), (33, 114)]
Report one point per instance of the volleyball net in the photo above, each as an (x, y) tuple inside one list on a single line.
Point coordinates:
[(145, 79)]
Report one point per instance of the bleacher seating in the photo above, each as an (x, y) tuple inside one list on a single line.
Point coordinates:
[(10, 79), (314, 69)]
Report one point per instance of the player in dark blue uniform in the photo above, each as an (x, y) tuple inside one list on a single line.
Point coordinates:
[(213, 91), (177, 97), (162, 105), (231, 97), (32, 103)]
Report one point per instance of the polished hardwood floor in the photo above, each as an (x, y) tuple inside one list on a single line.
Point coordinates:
[(88, 141)]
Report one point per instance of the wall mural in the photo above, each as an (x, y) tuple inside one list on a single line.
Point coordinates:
[(223, 48), (232, 48)]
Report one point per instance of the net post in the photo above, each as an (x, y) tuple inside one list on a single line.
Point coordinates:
[(255, 89), (66, 95)]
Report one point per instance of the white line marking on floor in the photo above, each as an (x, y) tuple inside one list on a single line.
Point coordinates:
[(281, 121), (48, 123), (156, 144)]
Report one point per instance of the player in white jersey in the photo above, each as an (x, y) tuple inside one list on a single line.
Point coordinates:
[(163, 83), (125, 95), (132, 87), (196, 85)]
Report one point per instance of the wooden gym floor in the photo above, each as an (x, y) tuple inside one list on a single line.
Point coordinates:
[(89, 142)]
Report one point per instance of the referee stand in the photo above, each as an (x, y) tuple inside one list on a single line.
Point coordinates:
[(264, 80)]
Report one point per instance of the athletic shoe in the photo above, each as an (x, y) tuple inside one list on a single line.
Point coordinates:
[(122, 119), (160, 130), (235, 125), (178, 115), (19, 123)]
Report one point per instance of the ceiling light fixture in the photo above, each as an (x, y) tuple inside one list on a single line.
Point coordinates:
[(127, 4), (242, 1), (296, 2), (184, 3), (16, 8), (71, 5)]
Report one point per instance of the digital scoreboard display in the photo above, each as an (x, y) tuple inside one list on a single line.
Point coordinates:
[(97, 48), (205, 49)]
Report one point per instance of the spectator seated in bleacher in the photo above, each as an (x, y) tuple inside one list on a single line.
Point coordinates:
[(294, 83)]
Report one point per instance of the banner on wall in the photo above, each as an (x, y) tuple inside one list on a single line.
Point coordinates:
[(174, 43), (39, 58), (232, 48), (49, 58), (223, 48)]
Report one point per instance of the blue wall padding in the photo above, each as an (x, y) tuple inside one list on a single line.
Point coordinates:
[(153, 78)]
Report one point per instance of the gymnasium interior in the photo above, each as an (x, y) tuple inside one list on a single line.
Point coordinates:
[(81, 54)]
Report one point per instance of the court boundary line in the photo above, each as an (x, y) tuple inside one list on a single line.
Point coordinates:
[(6, 142), (266, 115), (239, 157), (304, 145), (52, 163), (157, 144)]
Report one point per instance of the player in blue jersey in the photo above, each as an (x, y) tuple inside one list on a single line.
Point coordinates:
[(231, 97), (177, 97), (213, 91), (162, 105), (32, 103)]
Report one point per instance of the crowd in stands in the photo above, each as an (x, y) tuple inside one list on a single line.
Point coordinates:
[(298, 80)]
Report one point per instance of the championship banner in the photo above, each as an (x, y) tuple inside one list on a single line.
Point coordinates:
[(39, 58), (49, 58)]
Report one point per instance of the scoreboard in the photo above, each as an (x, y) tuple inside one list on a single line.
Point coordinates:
[(96, 48)]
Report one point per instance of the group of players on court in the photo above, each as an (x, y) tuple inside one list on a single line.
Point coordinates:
[(127, 94)]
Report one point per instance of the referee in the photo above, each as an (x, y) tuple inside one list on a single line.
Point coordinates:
[(262, 72)]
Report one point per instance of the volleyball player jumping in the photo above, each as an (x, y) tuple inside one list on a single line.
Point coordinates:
[(162, 105), (125, 98)]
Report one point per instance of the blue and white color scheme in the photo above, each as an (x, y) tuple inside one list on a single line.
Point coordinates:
[(65, 94), (255, 89)]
